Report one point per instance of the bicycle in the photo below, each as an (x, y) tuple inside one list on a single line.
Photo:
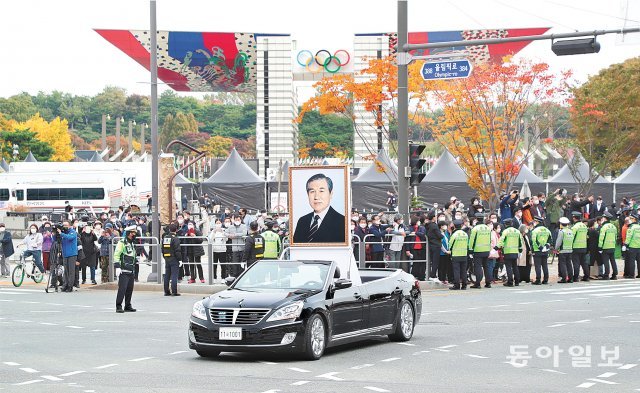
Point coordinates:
[(21, 270)]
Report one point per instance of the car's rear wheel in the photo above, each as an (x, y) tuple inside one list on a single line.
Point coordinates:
[(207, 353), (404, 323), (315, 338)]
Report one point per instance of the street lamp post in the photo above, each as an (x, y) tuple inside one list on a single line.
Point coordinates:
[(155, 219)]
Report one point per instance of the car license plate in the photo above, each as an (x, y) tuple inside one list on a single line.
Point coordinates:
[(230, 333)]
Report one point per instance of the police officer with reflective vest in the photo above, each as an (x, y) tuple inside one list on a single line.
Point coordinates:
[(580, 232), (632, 246), (479, 247), (253, 245), (541, 243), (458, 247), (511, 244), (172, 253), (607, 246), (272, 242), (124, 258), (564, 248)]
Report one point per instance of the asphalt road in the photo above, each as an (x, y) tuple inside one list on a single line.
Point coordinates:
[(75, 342)]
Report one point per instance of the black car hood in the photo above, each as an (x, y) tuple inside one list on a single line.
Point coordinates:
[(234, 298)]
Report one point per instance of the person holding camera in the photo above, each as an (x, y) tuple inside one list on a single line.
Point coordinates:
[(507, 205), (69, 242), (124, 258)]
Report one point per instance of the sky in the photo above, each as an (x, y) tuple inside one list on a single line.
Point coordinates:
[(50, 44)]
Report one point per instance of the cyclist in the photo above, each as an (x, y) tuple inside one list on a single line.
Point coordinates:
[(33, 243)]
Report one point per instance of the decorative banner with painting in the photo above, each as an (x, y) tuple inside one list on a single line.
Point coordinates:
[(318, 205)]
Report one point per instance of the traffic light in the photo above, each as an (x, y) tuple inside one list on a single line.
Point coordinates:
[(416, 163), (575, 47)]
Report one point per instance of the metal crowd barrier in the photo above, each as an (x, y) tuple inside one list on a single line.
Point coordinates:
[(153, 259), (403, 263)]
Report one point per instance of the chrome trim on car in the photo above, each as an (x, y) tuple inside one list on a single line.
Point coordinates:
[(237, 316), (242, 346), (360, 332)]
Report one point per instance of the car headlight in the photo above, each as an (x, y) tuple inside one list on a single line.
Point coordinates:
[(290, 311), (199, 311)]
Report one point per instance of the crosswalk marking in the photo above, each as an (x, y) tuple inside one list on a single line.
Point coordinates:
[(572, 289), (586, 291)]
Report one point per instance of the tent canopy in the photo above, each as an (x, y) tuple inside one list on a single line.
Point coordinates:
[(445, 170), (527, 175), (631, 175), (30, 158), (381, 170), (4, 165), (234, 171), (564, 174)]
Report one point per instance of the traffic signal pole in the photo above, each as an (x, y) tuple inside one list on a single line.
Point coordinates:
[(403, 114)]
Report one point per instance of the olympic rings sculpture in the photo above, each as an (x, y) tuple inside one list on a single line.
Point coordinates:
[(323, 60)]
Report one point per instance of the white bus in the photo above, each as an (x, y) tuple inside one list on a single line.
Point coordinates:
[(52, 196)]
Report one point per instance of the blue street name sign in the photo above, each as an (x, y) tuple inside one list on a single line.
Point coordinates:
[(449, 69)]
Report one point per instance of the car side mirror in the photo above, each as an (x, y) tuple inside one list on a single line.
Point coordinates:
[(229, 280), (342, 283)]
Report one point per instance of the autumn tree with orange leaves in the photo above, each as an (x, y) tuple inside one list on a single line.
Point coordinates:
[(482, 117)]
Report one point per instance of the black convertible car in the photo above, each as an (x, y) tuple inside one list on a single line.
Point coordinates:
[(304, 307)]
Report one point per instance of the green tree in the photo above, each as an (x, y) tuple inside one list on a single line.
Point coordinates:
[(333, 130), (19, 107), (27, 142)]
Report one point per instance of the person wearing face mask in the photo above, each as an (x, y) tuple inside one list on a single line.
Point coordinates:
[(541, 243), (377, 247), (512, 245), (272, 242), (537, 210), (361, 230), (124, 258), (88, 239), (398, 232), (517, 217), (69, 240), (218, 239), (525, 259), (194, 252), (105, 249), (171, 253), (33, 246), (479, 248), (475, 207), (47, 240), (182, 234), (236, 233)]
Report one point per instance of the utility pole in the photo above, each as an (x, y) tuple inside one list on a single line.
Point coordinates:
[(155, 227), (403, 112)]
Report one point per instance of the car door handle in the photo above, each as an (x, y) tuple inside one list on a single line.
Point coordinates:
[(357, 296)]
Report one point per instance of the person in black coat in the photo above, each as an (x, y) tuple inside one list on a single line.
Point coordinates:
[(592, 244), (324, 224), (6, 249), (434, 235), (88, 239), (194, 252)]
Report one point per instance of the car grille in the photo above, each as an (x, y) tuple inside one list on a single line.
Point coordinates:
[(237, 316)]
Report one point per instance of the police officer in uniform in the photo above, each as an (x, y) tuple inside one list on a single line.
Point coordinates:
[(580, 231), (479, 247), (564, 248), (124, 258), (172, 253), (458, 247), (540, 242), (253, 245), (511, 244), (632, 246), (272, 242), (607, 246)]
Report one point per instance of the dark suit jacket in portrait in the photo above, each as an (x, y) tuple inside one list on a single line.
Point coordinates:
[(331, 228)]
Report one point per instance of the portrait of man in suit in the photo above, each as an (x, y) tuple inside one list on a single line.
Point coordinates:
[(324, 224)]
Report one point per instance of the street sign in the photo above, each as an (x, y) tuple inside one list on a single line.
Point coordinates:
[(446, 69)]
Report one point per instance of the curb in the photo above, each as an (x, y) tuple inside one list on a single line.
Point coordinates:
[(153, 287)]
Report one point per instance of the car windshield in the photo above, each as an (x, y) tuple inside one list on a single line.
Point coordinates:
[(284, 275)]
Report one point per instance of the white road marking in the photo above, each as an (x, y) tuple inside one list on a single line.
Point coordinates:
[(5, 300), (610, 316), (89, 391), (473, 308), (20, 290), (43, 311), (475, 356), (586, 290), (498, 322), (634, 321), (28, 382), (162, 312), (75, 327), (603, 381), (549, 370), (616, 293), (390, 360), (407, 344), (97, 330), (554, 301), (272, 391), (606, 375), (48, 324), (331, 376), (375, 389), (54, 304), (579, 298), (300, 383), (627, 366), (361, 366), (475, 341), (22, 320), (71, 373), (557, 325), (441, 350), (114, 321), (176, 352), (106, 366), (265, 362), (300, 370), (448, 346), (29, 370), (443, 311), (141, 359), (29, 302), (12, 293), (11, 363), (164, 321), (51, 378), (499, 305), (81, 305), (586, 385)]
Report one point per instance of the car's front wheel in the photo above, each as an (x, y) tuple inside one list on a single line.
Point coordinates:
[(207, 353), (315, 337), (404, 323)]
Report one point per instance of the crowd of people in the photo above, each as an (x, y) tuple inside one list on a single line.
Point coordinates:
[(523, 233)]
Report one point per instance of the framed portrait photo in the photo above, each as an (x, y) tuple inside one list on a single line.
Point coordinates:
[(318, 206)]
